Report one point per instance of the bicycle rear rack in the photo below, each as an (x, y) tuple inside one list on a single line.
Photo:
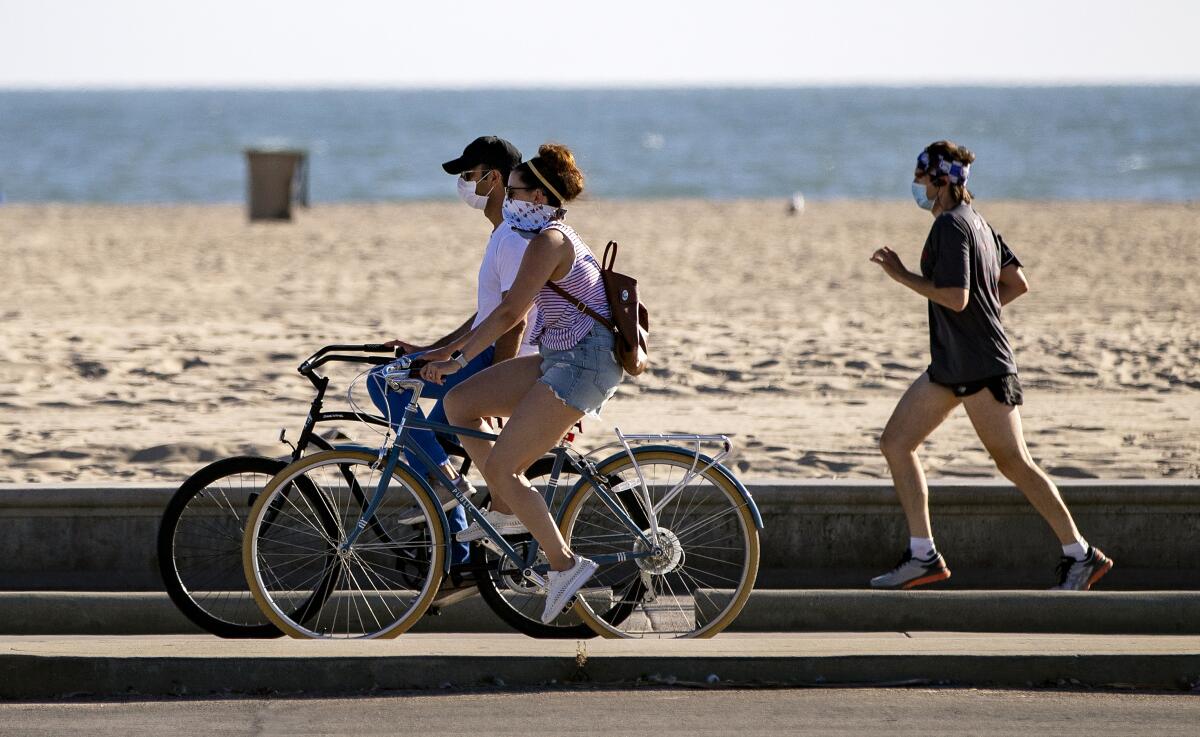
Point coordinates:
[(696, 441)]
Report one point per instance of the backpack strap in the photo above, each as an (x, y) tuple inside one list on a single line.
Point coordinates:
[(579, 305), (608, 263)]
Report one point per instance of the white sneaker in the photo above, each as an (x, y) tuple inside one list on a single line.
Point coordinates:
[(562, 585), (505, 524), (444, 496)]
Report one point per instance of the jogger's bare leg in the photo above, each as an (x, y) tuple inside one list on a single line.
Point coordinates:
[(922, 408), (999, 427)]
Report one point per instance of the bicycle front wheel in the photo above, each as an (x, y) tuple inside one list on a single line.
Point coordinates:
[(294, 549), (707, 545)]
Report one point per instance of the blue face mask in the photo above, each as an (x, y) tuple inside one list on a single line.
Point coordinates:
[(923, 202)]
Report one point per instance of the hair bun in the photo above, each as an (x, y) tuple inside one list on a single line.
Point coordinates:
[(563, 170)]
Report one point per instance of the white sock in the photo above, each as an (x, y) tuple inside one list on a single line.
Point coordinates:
[(922, 547), (1077, 550)]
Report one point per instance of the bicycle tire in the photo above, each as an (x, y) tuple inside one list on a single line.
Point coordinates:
[(667, 595), (219, 613), (521, 609), (292, 550)]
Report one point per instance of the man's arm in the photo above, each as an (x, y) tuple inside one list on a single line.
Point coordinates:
[(509, 344), (443, 345), (1012, 283), (455, 336)]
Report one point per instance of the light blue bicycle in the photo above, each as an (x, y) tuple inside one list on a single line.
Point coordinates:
[(673, 531)]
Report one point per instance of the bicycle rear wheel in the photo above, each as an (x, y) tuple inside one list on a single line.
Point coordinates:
[(200, 546), (506, 591), (292, 552), (709, 550)]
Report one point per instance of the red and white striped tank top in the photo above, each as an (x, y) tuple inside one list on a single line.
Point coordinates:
[(559, 325)]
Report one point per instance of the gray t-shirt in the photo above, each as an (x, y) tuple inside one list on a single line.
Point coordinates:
[(962, 250)]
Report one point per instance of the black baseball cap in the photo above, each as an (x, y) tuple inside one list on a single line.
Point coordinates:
[(486, 150)]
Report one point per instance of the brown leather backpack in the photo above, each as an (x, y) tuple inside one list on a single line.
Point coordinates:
[(631, 321)]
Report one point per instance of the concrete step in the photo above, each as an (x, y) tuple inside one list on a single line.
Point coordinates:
[(50, 667), (1094, 612)]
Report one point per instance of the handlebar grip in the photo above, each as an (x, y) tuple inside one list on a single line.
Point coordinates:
[(376, 348)]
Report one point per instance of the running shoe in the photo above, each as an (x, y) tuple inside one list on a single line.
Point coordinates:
[(1079, 575), (910, 572), (562, 585), (505, 524)]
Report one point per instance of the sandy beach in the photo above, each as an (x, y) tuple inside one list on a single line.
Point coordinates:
[(140, 342)]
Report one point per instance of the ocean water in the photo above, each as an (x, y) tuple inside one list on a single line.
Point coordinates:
[(1127, 143)]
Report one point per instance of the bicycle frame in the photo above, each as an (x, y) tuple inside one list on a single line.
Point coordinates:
[(400, 381)]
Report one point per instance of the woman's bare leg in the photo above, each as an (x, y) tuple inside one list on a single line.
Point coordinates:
[(493, 392), (922, 408), (534, 426), (999, 427)]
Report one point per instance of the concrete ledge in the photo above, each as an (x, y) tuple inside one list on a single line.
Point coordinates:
[(37, 668), (1096, 612), (819, 533)]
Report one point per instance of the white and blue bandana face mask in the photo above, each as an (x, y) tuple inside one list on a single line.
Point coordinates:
[(529, 216)]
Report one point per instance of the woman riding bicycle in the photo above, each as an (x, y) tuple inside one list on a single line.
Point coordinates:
[(543, 396)]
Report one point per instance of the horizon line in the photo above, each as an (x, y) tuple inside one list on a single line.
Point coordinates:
[(614, 85)]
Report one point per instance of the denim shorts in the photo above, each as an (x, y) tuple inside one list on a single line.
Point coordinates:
[(586, 375)]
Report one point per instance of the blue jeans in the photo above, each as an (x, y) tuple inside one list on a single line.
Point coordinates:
[(395, 402)]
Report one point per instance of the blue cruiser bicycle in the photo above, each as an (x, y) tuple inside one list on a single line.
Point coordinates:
[(675, 535)]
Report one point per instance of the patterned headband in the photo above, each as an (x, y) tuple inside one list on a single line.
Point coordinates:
[(956, 171), (561, 200)]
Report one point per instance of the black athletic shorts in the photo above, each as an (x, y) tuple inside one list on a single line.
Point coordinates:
[(1006, 388)]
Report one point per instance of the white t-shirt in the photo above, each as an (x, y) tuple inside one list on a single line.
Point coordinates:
[(501, 262)]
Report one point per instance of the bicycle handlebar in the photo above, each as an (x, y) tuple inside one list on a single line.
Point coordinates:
[(342, 358), (321, 357)]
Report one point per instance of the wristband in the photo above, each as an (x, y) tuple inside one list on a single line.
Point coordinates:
[(460, 358)]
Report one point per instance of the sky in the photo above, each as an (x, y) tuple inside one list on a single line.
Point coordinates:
[(609, 43)]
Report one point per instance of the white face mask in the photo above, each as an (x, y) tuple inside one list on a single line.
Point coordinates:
[(466, 193)]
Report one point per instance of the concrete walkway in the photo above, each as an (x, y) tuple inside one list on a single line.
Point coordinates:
[(47, 667), (662, 712)]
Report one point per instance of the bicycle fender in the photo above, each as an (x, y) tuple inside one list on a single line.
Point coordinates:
[(703, 460)]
